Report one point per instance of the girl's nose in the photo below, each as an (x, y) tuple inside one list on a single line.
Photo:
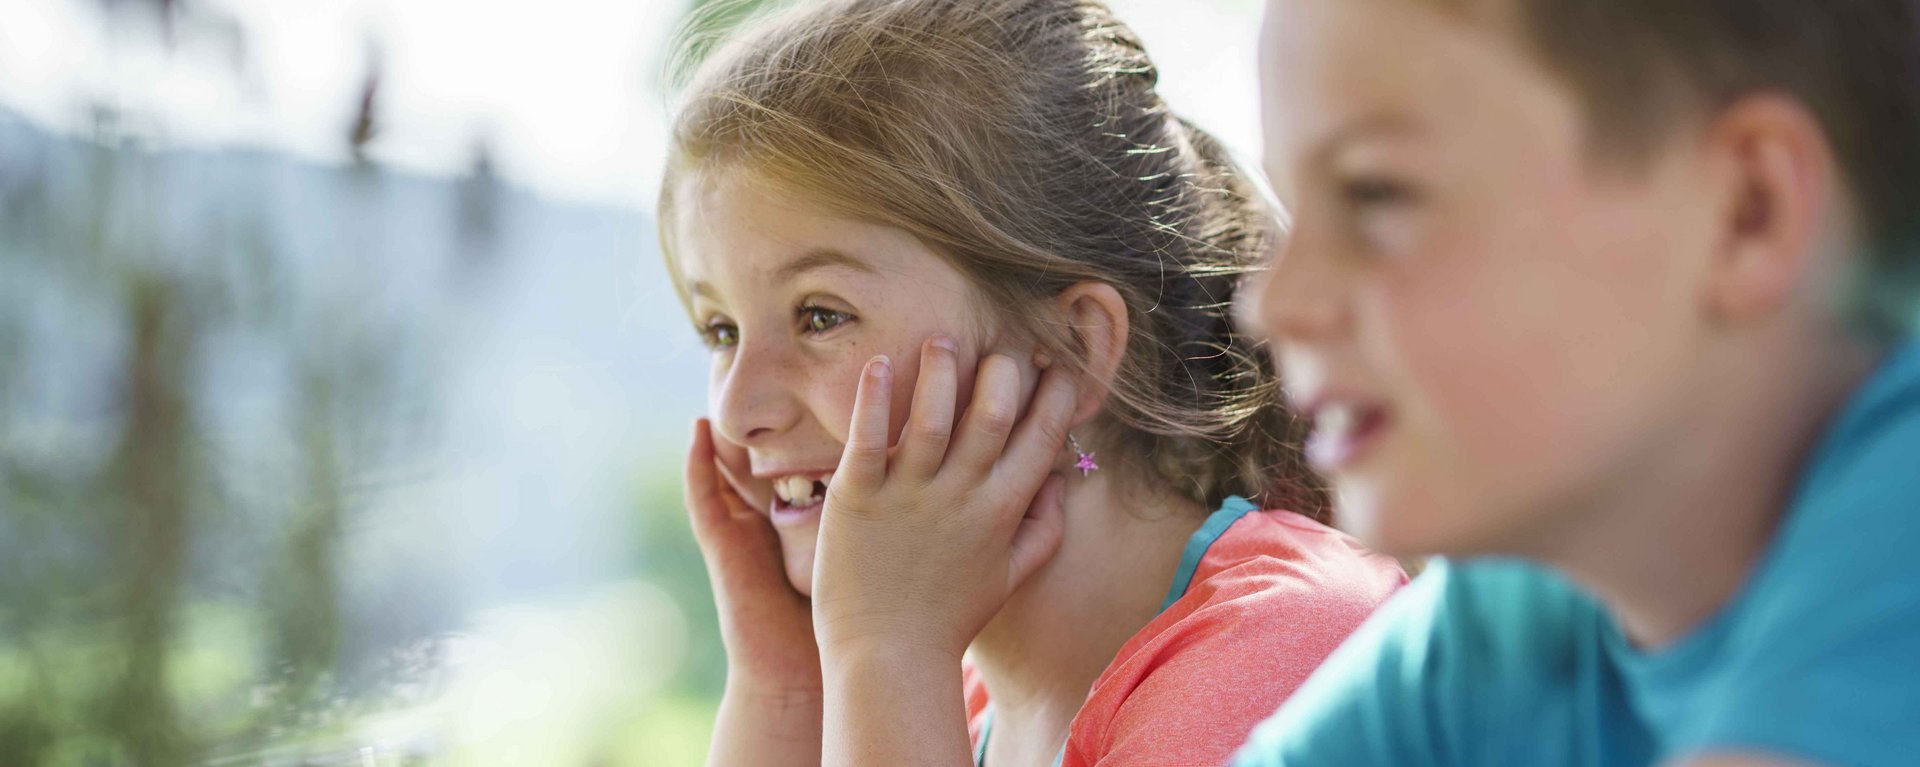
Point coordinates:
[(752, 401)]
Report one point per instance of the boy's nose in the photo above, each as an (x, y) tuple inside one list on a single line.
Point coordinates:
[(1303, 296)]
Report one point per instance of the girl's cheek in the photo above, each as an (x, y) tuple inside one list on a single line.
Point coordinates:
[(831, 390)]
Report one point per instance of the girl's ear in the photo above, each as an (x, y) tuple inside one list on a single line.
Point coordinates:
[(1096, 316)]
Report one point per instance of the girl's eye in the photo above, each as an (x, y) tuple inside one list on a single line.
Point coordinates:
[(815, 320), (720, 335)]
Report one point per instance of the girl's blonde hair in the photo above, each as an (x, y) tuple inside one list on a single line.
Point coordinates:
[(1024, 141)]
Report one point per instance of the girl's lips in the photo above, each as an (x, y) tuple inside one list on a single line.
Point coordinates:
[(1331, 448), (785, 514)]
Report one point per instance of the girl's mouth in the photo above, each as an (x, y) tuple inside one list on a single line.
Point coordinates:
[(798, 498)]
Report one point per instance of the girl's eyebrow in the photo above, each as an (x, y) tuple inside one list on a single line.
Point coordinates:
[(819, 258), (702, 289)]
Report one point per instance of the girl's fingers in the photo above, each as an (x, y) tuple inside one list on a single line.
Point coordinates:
[(740, 548), (924, 444), (1038, 536), (864, 463), (747, 495), (990, 416), (1037, 441), (703, 501), (713, 494)]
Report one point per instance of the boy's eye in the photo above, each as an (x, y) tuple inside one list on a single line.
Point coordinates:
[(720, 335), (1366, 193), (815, 320), (1382, 215)]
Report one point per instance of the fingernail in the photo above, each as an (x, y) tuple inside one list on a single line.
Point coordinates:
[(1042, 360), (944, 342), (881, 367)]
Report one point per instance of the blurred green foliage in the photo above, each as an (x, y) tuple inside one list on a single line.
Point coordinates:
[(173, 594), (704, 26)]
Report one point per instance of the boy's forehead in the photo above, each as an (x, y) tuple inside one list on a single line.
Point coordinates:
[(1328, 64), (1331, 67)]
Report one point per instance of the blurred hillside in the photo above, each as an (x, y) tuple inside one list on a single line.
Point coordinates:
[(299, 458)]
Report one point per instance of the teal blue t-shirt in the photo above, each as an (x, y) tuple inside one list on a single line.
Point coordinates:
[(1497, 662)]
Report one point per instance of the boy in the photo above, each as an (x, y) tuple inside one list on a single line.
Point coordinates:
[(1609, 302)]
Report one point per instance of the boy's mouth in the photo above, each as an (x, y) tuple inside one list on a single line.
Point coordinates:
[(1342, 433), (797, 498)]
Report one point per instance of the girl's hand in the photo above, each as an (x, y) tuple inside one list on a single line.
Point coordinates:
[(766, 625), (917, 553)]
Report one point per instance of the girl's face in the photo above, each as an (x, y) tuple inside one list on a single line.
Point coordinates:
[(1486, 325), (792, 302)]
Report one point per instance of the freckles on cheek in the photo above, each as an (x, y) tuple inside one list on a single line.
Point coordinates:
[(906, 373), (832, 388)]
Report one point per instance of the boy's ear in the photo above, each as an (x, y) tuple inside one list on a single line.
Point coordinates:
[(1096, 316), (1775, 208)]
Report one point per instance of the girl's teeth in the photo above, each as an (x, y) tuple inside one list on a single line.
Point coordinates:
[(796, 491)]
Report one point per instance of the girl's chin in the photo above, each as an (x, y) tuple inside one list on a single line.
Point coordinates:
[(800, 571)]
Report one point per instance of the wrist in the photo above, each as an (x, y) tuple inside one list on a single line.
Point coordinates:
[(777, 712), (766, 693), (908, 662), (875, 643), (885, 703)]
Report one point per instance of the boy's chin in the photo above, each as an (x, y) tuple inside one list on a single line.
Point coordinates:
[(1412, 527), (1390, 525)]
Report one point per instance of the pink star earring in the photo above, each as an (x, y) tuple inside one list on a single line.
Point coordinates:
[(1085, 464)]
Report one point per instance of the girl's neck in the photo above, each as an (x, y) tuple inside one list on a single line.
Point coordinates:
[(1040, 655), (1691, 520)]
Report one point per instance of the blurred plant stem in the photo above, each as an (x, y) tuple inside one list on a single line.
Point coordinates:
[(152, 466)]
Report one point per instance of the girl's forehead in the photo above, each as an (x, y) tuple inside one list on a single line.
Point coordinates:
[(740, 232)]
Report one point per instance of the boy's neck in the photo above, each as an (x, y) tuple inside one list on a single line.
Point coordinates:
[(1040, 655), (1681, 536)]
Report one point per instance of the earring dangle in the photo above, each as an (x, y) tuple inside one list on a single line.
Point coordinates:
[(1085, 464)]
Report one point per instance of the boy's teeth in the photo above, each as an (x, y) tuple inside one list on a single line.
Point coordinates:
[(1334, 420)]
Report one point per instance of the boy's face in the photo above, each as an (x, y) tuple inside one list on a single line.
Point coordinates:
[(1488, 324)]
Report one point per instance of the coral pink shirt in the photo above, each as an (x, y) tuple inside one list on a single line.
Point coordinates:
[(1261, 597)]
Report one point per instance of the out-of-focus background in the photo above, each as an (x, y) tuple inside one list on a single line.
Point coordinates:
[(342, 391)]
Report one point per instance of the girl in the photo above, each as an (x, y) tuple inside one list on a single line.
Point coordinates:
[(991, 197)]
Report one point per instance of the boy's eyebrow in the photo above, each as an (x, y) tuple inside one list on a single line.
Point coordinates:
[(1338, 138)]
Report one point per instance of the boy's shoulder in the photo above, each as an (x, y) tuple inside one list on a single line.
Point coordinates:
[(1813, 658), (1855, 512), (1871, 451)]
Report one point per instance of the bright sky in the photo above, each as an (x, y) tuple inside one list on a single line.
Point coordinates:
[(563, 90)]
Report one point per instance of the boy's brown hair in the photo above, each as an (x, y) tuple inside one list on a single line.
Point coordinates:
[(1642, 67)]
